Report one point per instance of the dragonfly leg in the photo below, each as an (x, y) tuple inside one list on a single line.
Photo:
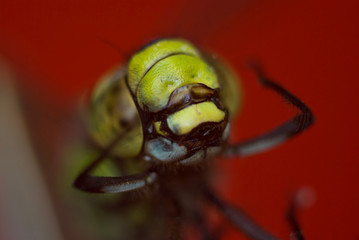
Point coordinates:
[(238, 218), (100, 184), (279, 134)]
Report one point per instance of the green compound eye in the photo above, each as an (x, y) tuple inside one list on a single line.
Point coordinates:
[(169, 74), (141, 62), (112, 109), (166, 66)]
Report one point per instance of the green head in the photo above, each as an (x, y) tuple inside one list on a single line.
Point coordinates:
[(178, 92)]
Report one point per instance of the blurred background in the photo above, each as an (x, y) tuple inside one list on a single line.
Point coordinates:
[(53, 52)]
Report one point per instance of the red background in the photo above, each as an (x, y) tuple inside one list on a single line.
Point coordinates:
[(310, 47)]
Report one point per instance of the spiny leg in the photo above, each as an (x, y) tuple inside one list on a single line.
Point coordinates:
[(99, 184), (238, 218), (280, 134)]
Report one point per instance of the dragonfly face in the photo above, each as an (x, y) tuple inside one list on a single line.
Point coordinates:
[(174, 95), (191, 130)]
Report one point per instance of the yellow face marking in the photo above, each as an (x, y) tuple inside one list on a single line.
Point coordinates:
[(183, 121), (157, 127)]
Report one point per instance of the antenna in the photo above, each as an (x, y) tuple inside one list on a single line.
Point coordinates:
[(124, 54)]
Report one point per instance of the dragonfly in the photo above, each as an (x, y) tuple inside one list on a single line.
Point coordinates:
[(161, 120)]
